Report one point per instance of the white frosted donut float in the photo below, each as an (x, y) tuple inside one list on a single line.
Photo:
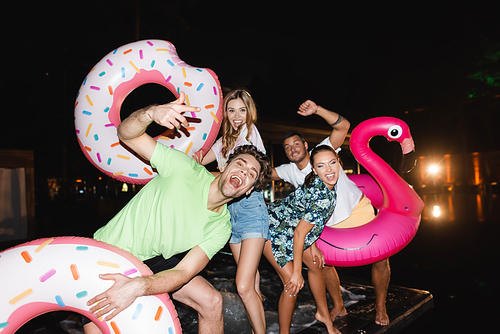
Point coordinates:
[(62, 274), (98, 103)]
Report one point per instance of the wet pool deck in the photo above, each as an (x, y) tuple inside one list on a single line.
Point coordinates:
[(404, 305)]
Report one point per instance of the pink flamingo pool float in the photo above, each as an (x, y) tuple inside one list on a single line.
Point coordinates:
[(399, 206)]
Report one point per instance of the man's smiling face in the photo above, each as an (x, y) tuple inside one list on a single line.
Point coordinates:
[(239, 177), (295, 149)]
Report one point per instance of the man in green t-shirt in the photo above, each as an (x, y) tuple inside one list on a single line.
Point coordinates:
[(183, 209)]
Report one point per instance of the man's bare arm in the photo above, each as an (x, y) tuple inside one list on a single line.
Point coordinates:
[(339, 124), (125, 290), (132, 131)]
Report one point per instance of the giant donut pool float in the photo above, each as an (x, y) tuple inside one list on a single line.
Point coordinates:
[(62, 274), (399, 206), (98, 103)]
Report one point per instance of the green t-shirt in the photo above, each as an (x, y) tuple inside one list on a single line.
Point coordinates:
[(169, 215)]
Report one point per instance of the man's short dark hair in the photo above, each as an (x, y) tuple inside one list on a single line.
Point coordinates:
[(289, 134), (265, 165)]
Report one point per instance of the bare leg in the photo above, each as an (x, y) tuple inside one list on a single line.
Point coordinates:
[(247, 255), (286, 302), (332, 283), (206, 300), (381, 275), (317, 285)]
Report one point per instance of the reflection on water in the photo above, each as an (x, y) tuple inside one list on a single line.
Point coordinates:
[(454, 256), (451, 206)]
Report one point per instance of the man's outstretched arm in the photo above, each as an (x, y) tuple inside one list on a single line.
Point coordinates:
[(125, 290)]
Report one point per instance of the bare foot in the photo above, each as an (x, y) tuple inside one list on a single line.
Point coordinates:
[(327, 321), (381, 317), (338, 312)]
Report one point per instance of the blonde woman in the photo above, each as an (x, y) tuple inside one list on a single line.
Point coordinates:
[(249, 218)]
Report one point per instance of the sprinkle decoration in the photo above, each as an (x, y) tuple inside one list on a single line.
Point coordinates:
[(26, 256), (65, 274), (106, 86), (47, 275), (21, 296)]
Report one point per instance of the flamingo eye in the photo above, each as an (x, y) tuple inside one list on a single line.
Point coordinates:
[(395, 131)]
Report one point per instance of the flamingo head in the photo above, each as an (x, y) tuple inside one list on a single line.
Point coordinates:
[(397, 130), (392, 128)]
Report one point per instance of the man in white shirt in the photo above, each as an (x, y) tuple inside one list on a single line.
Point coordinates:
[(349, 195)]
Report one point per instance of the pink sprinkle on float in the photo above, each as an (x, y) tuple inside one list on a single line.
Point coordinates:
[(169, 78), (98, 157), (95, 88), (109, 124), (140, 54), (129, 272), (150, 43), (109, 62), (215, 90), (47, 275)]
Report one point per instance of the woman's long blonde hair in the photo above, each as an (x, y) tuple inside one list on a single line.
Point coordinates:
[(229, 135)]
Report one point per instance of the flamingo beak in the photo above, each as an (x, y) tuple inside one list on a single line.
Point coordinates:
[(407, 145)]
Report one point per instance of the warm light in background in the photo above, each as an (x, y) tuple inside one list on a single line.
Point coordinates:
[(436, 211), (433, 169)]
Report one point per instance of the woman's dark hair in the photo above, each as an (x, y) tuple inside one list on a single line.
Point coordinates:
[(265, 165), (322, 148)]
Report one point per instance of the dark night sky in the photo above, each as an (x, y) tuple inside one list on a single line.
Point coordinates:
[(360, 60)]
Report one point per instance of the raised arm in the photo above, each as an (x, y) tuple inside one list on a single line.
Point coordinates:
[(340, 124), (125, 290), (132, 131)]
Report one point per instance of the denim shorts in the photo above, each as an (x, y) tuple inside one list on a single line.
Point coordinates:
[(249, 218)]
